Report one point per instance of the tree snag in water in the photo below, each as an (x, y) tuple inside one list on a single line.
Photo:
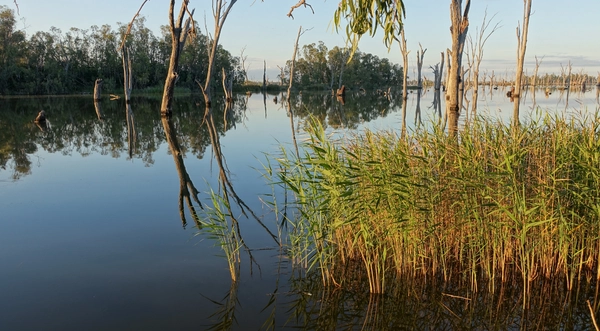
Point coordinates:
[(98, 89), (521, 46), (179, 34), (458, 30)]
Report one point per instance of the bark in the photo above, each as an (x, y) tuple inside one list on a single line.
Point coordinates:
[(179, 33), (221, 10), (522, 45), (127, 74), (227, 86), (459, 28), (98, 89)]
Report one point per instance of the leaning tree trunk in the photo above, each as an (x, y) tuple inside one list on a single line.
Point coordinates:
[(459, 27), (179, 33), (522, 43), (289, 90)]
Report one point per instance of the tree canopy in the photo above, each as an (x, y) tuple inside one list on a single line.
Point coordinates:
[(62, 62)]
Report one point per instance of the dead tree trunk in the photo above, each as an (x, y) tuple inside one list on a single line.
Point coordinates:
[(243, 60), (522, 44), (179, 33), (420, 55), (98, 97), (404, 51), (127, 74), (438, 73), (476, 56), (264, 83), (227, 86), (289, 90), (459, 28), (98, 89), (221, 10), (345, 55), (538, 62)]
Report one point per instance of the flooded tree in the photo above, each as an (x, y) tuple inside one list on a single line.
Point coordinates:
[(475, 54), (459, 18), (522, 44), (220, 11), (179, 34)]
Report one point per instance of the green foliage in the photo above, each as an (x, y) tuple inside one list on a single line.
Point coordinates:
[(57, 62), (365, 16), (318, 66)]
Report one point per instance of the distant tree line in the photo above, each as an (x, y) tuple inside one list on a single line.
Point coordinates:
[(57, 62), (319, 67)]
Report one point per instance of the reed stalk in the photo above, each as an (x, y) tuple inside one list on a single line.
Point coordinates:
[(496, 203)]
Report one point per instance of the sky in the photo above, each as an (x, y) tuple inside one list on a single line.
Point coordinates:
[(559, 31)]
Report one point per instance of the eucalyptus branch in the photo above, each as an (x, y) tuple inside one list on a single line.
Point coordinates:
[(130, 24), (300, 3)]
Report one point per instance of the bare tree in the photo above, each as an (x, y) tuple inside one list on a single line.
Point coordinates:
[(420, 55), (538, 62), (220, 11), (404, 51), (475, 54), (522, 44), (179, 34), (458, 29), (243, 60)]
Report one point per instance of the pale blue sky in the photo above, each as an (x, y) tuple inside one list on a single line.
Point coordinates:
[(559, 30)]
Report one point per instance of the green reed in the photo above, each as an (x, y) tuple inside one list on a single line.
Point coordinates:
[(218, 224), (496, 203)]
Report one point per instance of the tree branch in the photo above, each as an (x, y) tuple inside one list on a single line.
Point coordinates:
[(130, 24), (300, 3)]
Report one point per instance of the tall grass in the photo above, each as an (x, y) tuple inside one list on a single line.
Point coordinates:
[(497, 204)]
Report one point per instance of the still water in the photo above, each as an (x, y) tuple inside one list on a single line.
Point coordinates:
[(92, 236)]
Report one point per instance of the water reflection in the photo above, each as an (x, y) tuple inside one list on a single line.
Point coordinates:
[(78, 131), (187, 190), (80, 126), (419, 304)]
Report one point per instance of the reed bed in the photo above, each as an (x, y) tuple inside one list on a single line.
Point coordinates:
[(498, 203)]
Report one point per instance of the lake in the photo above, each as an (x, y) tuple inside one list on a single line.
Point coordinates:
[(96, 232)]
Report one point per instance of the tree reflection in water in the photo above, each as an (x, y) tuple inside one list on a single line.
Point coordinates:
[(426, 304), (187, 190)]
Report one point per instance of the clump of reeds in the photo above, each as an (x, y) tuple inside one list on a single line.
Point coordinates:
[(496, 203), (219, 225)]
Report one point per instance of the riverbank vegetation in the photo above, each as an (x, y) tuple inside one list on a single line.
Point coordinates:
[(496, 204), (69, 62)]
